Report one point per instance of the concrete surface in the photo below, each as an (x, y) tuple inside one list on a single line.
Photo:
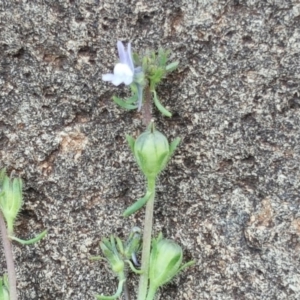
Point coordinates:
[(230, 196)]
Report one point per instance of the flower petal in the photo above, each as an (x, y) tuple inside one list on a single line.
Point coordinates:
[(123, 71), (122, 52), (107, 77), (128, 80), (117, 80)]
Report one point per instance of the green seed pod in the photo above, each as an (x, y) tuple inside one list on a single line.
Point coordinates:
[(165, 262), (152, 152), (10, 200)]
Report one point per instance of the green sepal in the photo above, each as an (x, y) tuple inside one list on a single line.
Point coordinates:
[(10, 199), (174, 145), (4, 288), (163, 57), (31, 241), (130, 141), (159, 106), (126, 103), (186, 265), (2, 175), (116, 295), (172, 66), (133, 269), (136, 59), (137, 205), (113, 244), (165, 262), (96, 258), (120, 245)]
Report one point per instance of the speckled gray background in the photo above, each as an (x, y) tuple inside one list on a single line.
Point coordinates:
[(230, 196)]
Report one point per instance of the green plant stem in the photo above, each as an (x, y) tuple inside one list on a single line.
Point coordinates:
[(147, 106), (9, 260), (126, 291), (143, 284)]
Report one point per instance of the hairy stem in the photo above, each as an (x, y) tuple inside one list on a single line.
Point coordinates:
[(143, 284), (126, 292), (9, 260), (147, 111)]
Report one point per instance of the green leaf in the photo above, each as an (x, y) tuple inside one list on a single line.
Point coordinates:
[(29, 242), (174, 145), (127, 104), (130, 141), (162, 57), (116, 295), (159, 106), (172, 66), (137, 205)]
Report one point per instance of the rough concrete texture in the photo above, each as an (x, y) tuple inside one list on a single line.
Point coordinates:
[(230, 196)]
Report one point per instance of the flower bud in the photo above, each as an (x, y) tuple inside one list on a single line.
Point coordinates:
[(152, 152), (111, 253), (10, 199), (165, 262), (133, 243)]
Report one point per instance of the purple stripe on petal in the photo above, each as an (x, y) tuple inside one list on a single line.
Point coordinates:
[(129, 57), (122, 52)]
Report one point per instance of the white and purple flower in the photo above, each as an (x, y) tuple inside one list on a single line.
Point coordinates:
[(124, 70)]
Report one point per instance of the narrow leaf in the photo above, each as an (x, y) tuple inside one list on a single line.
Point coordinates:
[(131, 142), (159, 106), (120, 245), (174, 145), (29, 242), (116, 295), (172, 66), (125, 104), (137, 205)]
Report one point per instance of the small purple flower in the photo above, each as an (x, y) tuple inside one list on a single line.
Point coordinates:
[(124, 70)]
